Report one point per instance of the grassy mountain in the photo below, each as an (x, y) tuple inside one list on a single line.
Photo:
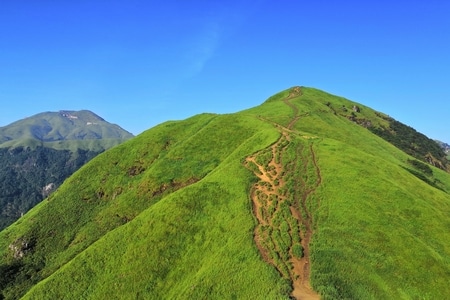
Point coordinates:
[(39, 153), (295, 197), (63, 130)]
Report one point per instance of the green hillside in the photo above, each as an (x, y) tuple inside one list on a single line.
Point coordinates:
[(301, 196)]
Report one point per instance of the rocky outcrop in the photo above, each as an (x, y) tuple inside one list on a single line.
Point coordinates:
[(48, 189), (20, 247)]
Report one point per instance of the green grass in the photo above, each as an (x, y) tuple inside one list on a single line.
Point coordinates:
[(103, 196), (167, 215), (189, 258), (381, 233)]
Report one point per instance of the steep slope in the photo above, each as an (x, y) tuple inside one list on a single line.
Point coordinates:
[(38, 153), (288, 198)]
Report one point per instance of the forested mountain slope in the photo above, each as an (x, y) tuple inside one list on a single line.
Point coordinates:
[(38, 153)]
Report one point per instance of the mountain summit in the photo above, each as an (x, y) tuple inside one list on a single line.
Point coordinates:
[(65, 125), (307, 196)]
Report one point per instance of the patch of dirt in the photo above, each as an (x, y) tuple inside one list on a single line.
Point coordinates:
[(268, 196)]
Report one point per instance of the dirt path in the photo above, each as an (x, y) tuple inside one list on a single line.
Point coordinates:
[(285, 224)]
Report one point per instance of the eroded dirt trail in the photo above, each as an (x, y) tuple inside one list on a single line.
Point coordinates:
[(288, 177)]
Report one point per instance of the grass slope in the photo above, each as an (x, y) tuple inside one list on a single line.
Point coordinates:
[(168, 214)]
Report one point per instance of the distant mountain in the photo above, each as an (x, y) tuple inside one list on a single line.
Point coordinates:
[(38, 153), (444, 146), (306, 196), (63, 130)]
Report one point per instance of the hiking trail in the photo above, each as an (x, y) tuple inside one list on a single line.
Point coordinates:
[(288, 175)]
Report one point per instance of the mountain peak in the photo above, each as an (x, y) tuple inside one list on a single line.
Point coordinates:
[(72, 114), (61, 126)]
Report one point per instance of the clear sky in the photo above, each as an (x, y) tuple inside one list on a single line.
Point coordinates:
[(140, 63)]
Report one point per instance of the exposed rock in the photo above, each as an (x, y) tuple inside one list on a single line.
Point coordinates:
[(434, 161), (68, 114), (356, 108), (48, 189), (295, 91), (20, 247)]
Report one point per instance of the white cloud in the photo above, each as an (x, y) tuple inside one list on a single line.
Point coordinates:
[(217, 24), (202, 48)]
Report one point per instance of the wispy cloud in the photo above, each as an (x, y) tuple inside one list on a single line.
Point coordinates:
[(219, 23), (202, 48)]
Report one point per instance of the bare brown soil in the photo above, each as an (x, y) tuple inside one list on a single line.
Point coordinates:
[(269, 195)]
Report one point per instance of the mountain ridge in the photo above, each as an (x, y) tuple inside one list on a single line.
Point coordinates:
[(232, 212)]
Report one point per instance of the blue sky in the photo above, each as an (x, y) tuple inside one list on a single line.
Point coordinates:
[(140, 63)]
